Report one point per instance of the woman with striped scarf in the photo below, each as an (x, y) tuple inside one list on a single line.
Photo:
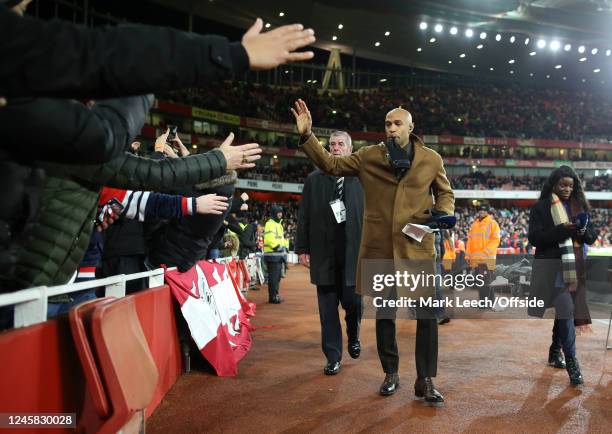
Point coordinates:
[(559, 229)]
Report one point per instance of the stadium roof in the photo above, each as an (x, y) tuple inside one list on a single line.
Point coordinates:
[(548, 40)]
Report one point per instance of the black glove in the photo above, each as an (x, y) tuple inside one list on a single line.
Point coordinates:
[(441, 220)]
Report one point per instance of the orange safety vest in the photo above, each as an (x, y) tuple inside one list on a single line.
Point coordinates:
[(449, 254), (483, 240)]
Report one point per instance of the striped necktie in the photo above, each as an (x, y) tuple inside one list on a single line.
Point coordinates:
[(340, 187)]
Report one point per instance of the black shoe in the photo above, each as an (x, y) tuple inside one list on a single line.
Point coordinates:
[(555, 357), (332, 368), (354, 349), (424, 388), (275, 300), (389, 385), (573, 370), (443, 320)]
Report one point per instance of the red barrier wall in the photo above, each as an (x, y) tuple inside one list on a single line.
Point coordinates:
[(41, 372)]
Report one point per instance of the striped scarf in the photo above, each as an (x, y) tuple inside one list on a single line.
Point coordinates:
[(568, 258)]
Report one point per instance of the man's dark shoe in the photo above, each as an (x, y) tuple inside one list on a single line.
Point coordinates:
[(555, 357), (389, 385), (424, 388), (275, 300), (443, 320), (332, 368), (354, 349), (573, 370)]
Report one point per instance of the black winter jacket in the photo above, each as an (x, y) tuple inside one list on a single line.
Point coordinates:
[(69, 202), (57, 58)]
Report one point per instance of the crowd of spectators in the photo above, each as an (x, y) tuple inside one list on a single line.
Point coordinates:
[(514, 110), (513, 223), (297, 172)]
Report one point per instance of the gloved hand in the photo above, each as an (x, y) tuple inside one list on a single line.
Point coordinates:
[(441, 220), (279, 248)]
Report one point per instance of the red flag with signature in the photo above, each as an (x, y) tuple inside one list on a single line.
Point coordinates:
[(216, 312)]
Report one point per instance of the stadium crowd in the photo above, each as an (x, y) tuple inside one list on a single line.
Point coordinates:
[(483, 111), (297, 172)]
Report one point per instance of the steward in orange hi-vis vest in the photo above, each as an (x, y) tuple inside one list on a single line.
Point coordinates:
[(483, 240)]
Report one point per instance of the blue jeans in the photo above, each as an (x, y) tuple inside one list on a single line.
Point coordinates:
[(564, 332), (55, 309)]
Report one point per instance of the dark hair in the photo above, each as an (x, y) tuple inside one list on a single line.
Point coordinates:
[(577, 191)]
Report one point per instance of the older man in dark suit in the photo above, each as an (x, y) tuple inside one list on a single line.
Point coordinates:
[(329, 232), (404, 182)]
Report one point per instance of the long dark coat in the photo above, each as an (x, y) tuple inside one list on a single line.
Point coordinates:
[(316, 233)]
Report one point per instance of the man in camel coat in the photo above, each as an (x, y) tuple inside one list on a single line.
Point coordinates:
[(404, 182)]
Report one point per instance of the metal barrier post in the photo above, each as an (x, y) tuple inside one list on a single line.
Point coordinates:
[(32, 311)]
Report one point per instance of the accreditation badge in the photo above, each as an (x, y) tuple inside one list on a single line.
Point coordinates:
[(339, 210)]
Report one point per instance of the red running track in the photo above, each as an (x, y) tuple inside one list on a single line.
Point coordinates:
[(493, 374)]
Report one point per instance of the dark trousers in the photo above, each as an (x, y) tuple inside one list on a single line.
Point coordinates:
[(329, 296), (274, 275), (564, 332), (128, 264), (426, 346), (484, 291)]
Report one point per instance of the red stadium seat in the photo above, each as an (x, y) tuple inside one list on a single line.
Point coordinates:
[(125, 361), (80, 324)]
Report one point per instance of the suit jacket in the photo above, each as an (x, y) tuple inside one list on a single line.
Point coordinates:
[(391, 204), (316, 231)]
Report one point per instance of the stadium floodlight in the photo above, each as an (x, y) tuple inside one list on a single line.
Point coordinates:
[(498, 37), (567, 47), (512, 39), (340, 26), (608, 52), (533, 53), (334, 38), (377, 43), (281, 14), (582, 59), (594, 51), (268, 25), (541, 43), (483, 35), (531, 74), (511, 72), (584, 80), (581, 49), (419, 49), (547, 76), (450, 61), (473, 66), (387, 33), (432, 40), (469, 33), (423, 26), (438, 28), (596, 70), (555, 45), (462, 55), (558, 66), (479, 46), (491, 69), (453, 30), (511, 61), (526, 41)]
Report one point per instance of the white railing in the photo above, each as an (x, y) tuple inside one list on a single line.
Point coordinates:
[(31, 304)]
